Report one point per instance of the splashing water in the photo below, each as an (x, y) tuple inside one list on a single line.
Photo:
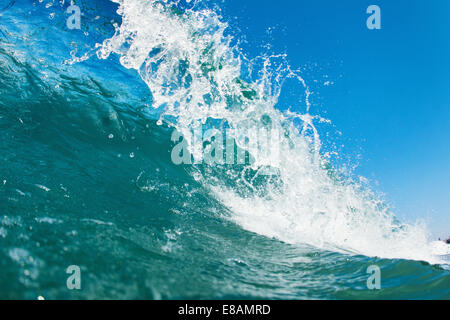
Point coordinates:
[(195, 74)]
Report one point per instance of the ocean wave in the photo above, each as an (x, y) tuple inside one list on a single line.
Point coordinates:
[(87, 118)]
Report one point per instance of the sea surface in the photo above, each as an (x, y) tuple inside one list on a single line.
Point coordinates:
[(89, 119)]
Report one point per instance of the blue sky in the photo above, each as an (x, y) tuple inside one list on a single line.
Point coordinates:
[(390, 92)]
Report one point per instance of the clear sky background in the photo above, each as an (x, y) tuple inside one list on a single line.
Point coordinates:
[(389, 92)]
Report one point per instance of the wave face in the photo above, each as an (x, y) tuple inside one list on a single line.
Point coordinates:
[(88, 175)]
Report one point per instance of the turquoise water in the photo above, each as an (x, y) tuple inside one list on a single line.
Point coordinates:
[(88, 178)]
